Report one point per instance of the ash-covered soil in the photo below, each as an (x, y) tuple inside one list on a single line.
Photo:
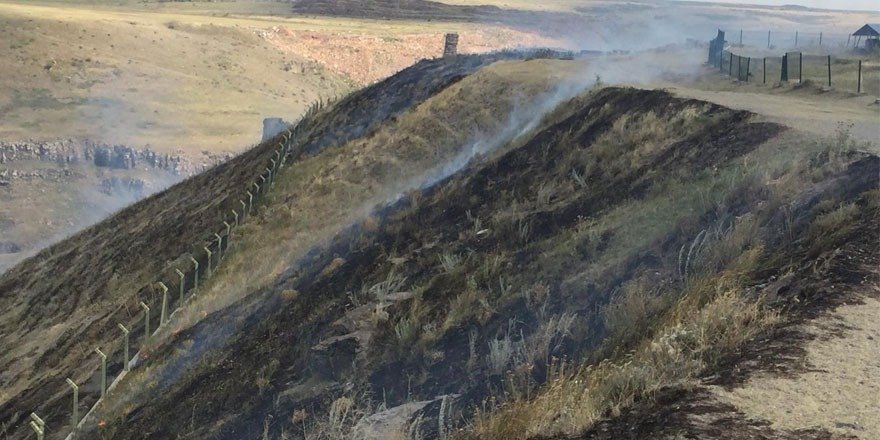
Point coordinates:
[(59, 304), (306, 340)]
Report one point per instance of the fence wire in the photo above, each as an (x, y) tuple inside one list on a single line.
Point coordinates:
[(842, 73)]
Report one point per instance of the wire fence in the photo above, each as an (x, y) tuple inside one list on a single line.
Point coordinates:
[(843, 73), (774, 39), (175, 286)]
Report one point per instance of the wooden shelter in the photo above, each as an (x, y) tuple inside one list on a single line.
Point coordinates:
[(871, 33)]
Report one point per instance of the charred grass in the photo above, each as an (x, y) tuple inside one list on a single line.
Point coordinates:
[(544, 288), (62, 303)]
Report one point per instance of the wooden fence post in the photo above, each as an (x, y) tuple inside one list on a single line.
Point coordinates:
[(103, 371), (125, 358), (74, 416)]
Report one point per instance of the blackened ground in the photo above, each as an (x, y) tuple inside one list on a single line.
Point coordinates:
[(356, 113), (220, 393), (111, 266), (815, 291)]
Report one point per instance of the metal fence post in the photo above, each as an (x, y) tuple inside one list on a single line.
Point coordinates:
[(795, 38), (730, 65), (146, 320), (860, 78), (783, 73), (257, 186), (163, 315), (208, 251), (219, 247), (820, 38), (37, 430), (768, 39), (182, 277), (748, 67), (38, 425), (74, 416), (125, 358), (829, 70), (739, 67), (800, 67), (195, 272), (103, 371), (250, 206), (235, 216), (765, 70), (228, 233)]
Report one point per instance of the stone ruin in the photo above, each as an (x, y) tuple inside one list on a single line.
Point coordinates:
[(450, 49)]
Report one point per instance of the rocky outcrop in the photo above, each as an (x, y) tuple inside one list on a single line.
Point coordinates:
[(103, 155)]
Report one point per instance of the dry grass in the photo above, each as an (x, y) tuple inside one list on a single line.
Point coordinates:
[(321, 194), (136, 79), (692, 337)]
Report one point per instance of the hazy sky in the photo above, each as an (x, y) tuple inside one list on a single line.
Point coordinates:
[(864, 5)]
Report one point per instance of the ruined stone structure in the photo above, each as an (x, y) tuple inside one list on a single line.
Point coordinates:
[(451, 47)]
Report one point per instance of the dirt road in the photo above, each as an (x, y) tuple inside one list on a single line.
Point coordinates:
[(821, 114)]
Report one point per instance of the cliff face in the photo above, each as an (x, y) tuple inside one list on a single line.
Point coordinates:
[(123, 157)]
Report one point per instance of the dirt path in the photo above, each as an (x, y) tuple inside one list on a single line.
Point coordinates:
[(818, 113), (839, 392)]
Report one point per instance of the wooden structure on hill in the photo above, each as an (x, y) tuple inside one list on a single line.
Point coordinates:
[(871, 33)]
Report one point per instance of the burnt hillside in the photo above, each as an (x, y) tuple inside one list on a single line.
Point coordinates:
[(518, 250)]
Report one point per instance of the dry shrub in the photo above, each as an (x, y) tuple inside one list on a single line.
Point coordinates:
[(473, 303), (632, 311), (711, 319), (830, 227)]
